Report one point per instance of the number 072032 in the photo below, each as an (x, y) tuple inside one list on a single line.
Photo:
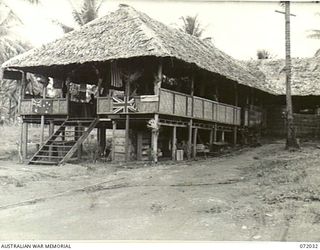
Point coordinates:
[(310, 245)]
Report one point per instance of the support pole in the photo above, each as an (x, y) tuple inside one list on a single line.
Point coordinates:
[(127, 128), (42, 117), (222, 136), (155, 133), (42, 130), (174, 143), (24, 141), (235, 135), (195, 136), (154, 140), (211, 136), (102, 139), (215, 133), (191, 121), (114, 128), (139, 145), (51, 131), (189, 140), (78, 135)]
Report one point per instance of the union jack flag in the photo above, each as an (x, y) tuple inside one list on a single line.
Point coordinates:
[(120, 105)]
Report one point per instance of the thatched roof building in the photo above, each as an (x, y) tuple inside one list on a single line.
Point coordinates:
[(128, 33), (305, 75)]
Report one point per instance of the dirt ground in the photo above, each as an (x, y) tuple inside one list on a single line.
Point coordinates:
[(260, 194)]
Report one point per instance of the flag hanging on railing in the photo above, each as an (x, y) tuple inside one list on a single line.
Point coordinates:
[(42, 106), (116, 80)]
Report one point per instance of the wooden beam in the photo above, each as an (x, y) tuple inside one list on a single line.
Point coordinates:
[(114, 128), (211, 136), (189, 140), (215, 133), (139, 145), (24, 142), (78, 134), (42, 130), (154, 140), (127, 128), (51, 131), (172, 124), (235, 131), (174, 143), (195, 136), (102, 139)]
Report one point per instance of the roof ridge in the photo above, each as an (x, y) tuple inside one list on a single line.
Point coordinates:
[(148, 31)]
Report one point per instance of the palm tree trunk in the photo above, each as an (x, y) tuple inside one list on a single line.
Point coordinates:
[(291, 137)]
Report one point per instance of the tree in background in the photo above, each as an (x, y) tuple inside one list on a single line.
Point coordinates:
[(192, 26), (88, 11), (264, 54), (10, 46)]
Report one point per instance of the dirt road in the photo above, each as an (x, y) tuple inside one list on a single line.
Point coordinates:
[(263, 193)]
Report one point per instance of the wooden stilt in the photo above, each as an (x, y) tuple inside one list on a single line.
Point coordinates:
[(222, 136), (195, 136), (24, 141), (174, 143), (189, 139), (78, 135), (42, 131), (189, 153), (154, 140), (235, 135), (215, 133), (114, 128), (211, 136), (102, 139), (51, 131), (139, 145)]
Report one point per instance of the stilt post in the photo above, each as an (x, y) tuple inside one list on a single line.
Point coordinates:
[(174, 143), (195, 136), (24, 141), (114, 128)]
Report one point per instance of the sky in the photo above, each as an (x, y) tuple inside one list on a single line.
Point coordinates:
[(237, 28)]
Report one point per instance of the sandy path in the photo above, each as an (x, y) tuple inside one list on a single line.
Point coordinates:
[(217, 199)]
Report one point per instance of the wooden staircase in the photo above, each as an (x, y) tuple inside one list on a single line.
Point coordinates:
[(63, 143)]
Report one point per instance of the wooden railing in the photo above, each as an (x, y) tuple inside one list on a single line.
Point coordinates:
[(174, 103), (44, 107), (179, 104)]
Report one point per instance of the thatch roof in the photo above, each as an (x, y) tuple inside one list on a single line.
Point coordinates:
[(127, 33), (305, 75)]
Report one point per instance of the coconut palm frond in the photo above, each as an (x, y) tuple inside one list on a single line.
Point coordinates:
[(315, 34), (192, 26)]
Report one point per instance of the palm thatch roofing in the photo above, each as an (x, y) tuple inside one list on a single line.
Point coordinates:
[(128, 33), (305, 75)]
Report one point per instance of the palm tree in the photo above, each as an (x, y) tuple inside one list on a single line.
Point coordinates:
[(192, 26), (88, 11), (314, 33), (10, 45), (264, 54)]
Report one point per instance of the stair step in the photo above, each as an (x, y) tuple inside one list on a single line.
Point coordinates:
[(53, 151), (71, 141), (59, 146), (44, 162), (47, 156)]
